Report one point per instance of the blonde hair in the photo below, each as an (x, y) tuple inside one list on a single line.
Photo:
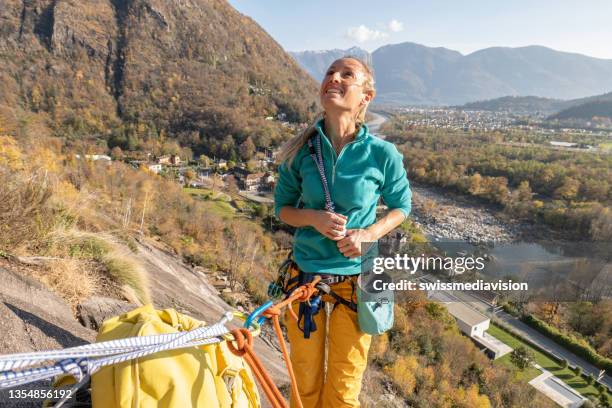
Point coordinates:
[(290, 148)]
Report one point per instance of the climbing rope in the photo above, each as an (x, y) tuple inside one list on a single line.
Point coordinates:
[(302, 294), (244, 349), (83, 361), (79, 361)]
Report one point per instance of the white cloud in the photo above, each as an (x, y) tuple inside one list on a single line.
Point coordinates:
[(396, 26), (363, 34)]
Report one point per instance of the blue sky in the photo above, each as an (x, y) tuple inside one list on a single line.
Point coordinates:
[(463, 25)]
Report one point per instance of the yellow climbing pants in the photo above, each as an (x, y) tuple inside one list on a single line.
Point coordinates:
[(347, 354)]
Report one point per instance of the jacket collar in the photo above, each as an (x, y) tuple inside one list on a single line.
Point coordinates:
[(361, 134)]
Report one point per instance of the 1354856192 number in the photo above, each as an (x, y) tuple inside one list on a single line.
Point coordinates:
[(39, 394)]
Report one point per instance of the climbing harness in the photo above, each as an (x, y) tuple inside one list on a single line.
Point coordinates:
[(285, 283), (325, 287), (308, 310)]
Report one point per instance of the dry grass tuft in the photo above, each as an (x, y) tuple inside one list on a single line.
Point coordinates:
[(126, 270), (130, 295), (72, 279), (24, 215), (118, 260)]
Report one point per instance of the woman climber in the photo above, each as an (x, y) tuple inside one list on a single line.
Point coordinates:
[(330, 180)]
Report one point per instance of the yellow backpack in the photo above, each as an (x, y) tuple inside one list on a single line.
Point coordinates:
[(203, 377)]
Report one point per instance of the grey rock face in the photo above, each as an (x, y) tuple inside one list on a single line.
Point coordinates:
[(95, 310)]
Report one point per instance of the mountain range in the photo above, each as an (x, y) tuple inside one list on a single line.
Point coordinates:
[(410, 73)]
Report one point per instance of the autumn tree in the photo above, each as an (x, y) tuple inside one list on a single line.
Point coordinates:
[(189, 176), (569, 189), (247, 149), (402, 373), (186, 153), (204, 160), (475, 183), (117, 153), (217, 182), (242, 246), (10, 153), (524, 191), (146, 194), (601, 225), (232, 185), (470, 398)]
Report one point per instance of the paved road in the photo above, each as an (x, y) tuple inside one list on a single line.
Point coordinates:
[(255, 197), (375, 123), (547, 344), (525, 331)]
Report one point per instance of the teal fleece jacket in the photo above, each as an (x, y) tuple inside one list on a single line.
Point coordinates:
[(366, 169)]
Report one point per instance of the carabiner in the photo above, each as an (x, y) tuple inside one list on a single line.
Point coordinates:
[(249, 320)]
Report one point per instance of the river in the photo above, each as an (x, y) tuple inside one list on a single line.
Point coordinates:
[(461, 224)]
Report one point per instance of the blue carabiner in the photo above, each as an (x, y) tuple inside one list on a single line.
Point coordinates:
[(249, 320)]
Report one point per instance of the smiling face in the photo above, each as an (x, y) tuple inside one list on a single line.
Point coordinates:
[(343, 87)]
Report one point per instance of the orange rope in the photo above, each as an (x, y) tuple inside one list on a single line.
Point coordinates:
[(245, 348)]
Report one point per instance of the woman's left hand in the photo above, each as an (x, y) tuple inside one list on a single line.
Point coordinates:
[(351, 244)]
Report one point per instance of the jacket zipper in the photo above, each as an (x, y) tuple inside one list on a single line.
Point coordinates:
[(337, 159)]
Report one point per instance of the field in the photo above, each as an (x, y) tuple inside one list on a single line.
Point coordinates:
[(525, 375), (565, 374)]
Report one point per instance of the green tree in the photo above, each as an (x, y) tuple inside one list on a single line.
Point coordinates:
[(522, 357), (262, 210), (588, 404), (590, 379), (604, 400)]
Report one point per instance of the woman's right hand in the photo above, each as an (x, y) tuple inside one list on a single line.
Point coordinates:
[(332, 225)]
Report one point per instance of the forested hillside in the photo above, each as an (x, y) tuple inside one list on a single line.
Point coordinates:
[(518, 171), (597, 106), (588, 110), (135, 72), (525, 105)]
